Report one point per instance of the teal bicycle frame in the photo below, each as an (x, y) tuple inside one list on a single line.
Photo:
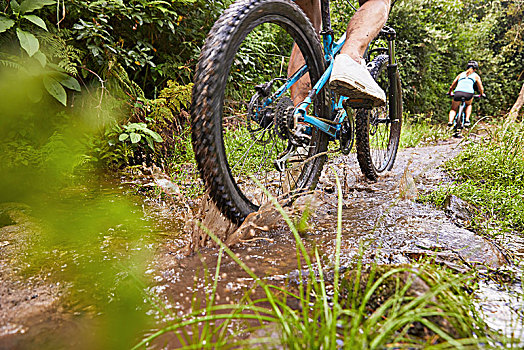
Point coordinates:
[(331, 49)]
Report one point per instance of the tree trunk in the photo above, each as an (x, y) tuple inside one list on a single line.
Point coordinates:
[(514, 112)]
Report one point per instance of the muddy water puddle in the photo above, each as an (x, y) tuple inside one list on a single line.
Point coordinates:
[(378, 219)]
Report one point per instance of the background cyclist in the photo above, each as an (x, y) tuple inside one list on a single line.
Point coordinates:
[(463, 86)]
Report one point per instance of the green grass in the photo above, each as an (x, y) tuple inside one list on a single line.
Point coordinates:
[(416, 133), (368, 307), (490, 175)]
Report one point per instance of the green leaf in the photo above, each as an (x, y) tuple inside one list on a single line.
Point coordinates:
[(5, 23), (40, 57), (31, 5), (140, 126), (36, 20), (15, 7), (70, 83), (150, 143), (135, 137), (123, 137), (55, 89), (154, 135), (28, 42)]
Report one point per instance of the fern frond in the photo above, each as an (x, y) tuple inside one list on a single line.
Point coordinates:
[(67, 56), (10, 64)]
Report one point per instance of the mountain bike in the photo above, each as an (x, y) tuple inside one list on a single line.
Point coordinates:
[(250, 138), (460, 118)]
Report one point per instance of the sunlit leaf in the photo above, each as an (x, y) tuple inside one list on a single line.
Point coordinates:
[(15, 6), (150, 143), (154, 135), (28, 41), (5, 23), (36, 20), (123, 137), (135, 137), (31, 5), (40, 57), (70, 83), (55, 89)]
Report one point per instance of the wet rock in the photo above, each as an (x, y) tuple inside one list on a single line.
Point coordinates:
[(406, 187), (163, 181), (470, 247), (460, 210)]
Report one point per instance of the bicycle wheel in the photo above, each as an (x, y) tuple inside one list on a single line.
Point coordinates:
[(458, 121), (244, 135), (378, 129)]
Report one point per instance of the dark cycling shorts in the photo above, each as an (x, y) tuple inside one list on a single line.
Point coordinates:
[(459, 94)]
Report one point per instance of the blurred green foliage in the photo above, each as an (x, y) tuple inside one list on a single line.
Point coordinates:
[(73, 226)]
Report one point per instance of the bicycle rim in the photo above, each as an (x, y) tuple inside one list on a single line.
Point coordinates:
[(248, 134)]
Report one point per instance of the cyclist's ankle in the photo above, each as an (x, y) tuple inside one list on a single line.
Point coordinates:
[(355, 56)]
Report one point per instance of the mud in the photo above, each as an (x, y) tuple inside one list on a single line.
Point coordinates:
[(380, 219), (27, 302)]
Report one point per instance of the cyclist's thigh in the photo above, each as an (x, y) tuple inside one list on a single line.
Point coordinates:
[(312, 9), (455, 105), (362, 2)]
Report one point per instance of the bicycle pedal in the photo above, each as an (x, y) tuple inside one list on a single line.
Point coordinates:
[(358, 103)]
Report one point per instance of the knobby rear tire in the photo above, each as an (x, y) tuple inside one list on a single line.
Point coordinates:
[(376, 153), (210, 80)]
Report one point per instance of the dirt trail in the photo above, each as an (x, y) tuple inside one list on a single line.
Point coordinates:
[(393, 228)]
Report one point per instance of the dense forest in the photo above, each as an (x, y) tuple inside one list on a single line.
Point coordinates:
[(138, 58)]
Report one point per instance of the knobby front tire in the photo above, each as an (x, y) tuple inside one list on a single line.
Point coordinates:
[(236, 138), (378, 129)]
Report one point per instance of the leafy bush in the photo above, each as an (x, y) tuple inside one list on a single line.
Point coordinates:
[(490, 175), (21, 18)]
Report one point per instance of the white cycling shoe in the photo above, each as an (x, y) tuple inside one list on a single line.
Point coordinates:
[(353, 80)]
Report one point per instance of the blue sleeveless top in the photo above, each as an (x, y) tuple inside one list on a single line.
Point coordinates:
[(466, 82)]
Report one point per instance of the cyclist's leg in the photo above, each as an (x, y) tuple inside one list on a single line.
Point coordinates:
[(300, 90), (469, 108), (453, 112), (349, 77), (364, 26)]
